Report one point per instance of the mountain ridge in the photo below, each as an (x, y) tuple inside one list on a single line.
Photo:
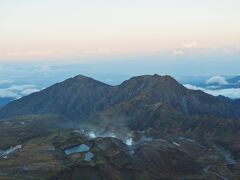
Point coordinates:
[(81, 96)]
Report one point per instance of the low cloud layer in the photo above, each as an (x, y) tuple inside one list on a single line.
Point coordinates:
[(219, 80), (4, 81), (17, 91), (233, 93)]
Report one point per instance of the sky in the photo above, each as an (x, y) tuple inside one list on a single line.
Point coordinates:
[(80, 30), (47, 41)]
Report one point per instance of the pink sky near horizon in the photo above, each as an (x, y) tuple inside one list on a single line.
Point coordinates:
[(77, 29)]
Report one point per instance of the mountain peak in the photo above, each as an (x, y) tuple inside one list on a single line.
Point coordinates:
[(155, 77), (167, 77), (82, 80), (80, 77), (151, 81)]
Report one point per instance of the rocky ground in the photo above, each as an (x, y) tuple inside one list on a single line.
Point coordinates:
[(145, 155)]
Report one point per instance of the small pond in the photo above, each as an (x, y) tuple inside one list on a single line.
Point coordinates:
[(83, 148), (88, 156), (77, 149)]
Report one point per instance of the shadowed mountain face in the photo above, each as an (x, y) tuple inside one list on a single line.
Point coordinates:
[(5, 100), (80, 97), (73, 98)]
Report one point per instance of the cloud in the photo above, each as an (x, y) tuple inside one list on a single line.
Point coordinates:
[(186, 47), (190, 45), (6, 93), (18, 91), (178, 52), (189, 86), (217, 80), (4, 81), (233, 93)]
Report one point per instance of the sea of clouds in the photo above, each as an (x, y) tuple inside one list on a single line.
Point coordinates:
[(233, 93), (213, 87), (17, 91)]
